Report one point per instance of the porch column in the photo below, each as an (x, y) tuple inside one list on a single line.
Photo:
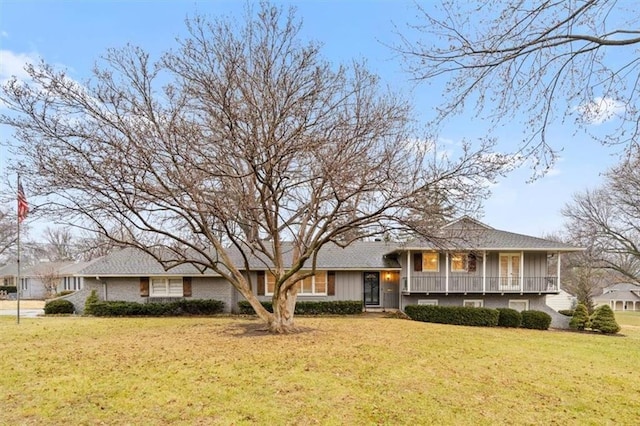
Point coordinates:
[(409, 271), (446, 273), (558, 272), (521, 272), (484, 272)]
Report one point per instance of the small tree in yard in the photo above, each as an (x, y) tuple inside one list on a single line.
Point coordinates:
[(604, 320), (241, 145), (580, 319)]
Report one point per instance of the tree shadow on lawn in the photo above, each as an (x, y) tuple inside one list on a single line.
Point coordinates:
[(256, 328)]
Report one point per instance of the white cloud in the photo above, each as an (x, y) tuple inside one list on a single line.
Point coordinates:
[(600, 110), (12, 64)]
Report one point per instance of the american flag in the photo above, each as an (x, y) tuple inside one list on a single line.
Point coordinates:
[(23, 206)]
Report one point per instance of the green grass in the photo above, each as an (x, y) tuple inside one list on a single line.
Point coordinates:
[(200, 371)]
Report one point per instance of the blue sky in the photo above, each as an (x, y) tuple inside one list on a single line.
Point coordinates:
[(73, 34)]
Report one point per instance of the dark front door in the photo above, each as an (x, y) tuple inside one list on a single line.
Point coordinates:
[(372, 288)]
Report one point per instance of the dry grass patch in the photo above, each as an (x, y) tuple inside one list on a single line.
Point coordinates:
[(339, 371)]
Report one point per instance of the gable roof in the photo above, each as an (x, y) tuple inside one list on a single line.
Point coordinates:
[(469, 234)]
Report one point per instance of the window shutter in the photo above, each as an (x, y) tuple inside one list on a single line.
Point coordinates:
[(186, 286), (260, 288), (144, 286), (471, 262), (331, 283), (417, 262)]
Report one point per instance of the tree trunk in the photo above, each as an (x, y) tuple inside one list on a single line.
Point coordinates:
[(281, 321)]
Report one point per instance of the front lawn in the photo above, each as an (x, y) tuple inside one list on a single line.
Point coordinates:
[(352, 370)]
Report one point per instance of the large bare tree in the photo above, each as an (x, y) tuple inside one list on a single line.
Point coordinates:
[(607, 219), (533, 63), (8, 235), (241, 143)]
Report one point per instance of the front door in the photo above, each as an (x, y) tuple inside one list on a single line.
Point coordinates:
[(372, 288)]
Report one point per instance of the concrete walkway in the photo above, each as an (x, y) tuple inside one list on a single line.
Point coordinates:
[(24, 313), (28, 308)]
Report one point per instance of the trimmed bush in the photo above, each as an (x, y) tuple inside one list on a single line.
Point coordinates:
[(65, 292), (604, 320), (536, 320), (177, 308), (509, 318), (337, 307), (60, 306), (567, 312), (9, 288), (580, 318), (92, 299), (457, 315)]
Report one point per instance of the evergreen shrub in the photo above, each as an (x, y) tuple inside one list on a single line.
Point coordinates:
[(456, 315), (92, 299), (604, 320), (536, 320), (58, 306), (336, 307), (509, 318), (177, 308), (567, 312), (580, 318)]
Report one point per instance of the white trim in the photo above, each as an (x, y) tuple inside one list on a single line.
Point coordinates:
[(477, 303)]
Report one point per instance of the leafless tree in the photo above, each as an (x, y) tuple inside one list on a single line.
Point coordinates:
[(607, 219), (242, 143), (50, 278), (58, 244), (8, 235), (545, 61)]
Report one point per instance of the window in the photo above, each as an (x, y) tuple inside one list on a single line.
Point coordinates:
[(429, 302), (519, 305), (166, 287), (72, 283), (458, 262), (474, 303), (313, 285), (430, 262)]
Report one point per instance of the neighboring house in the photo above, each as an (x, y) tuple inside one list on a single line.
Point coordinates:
[(620, 297), (468, 264), (44, 279)]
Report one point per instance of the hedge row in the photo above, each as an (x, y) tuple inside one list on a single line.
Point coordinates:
[(9, 288), (177, 308), (457, 315), (338, 307), (481, 317)]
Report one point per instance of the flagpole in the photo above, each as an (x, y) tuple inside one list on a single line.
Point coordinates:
[(18, 284)]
